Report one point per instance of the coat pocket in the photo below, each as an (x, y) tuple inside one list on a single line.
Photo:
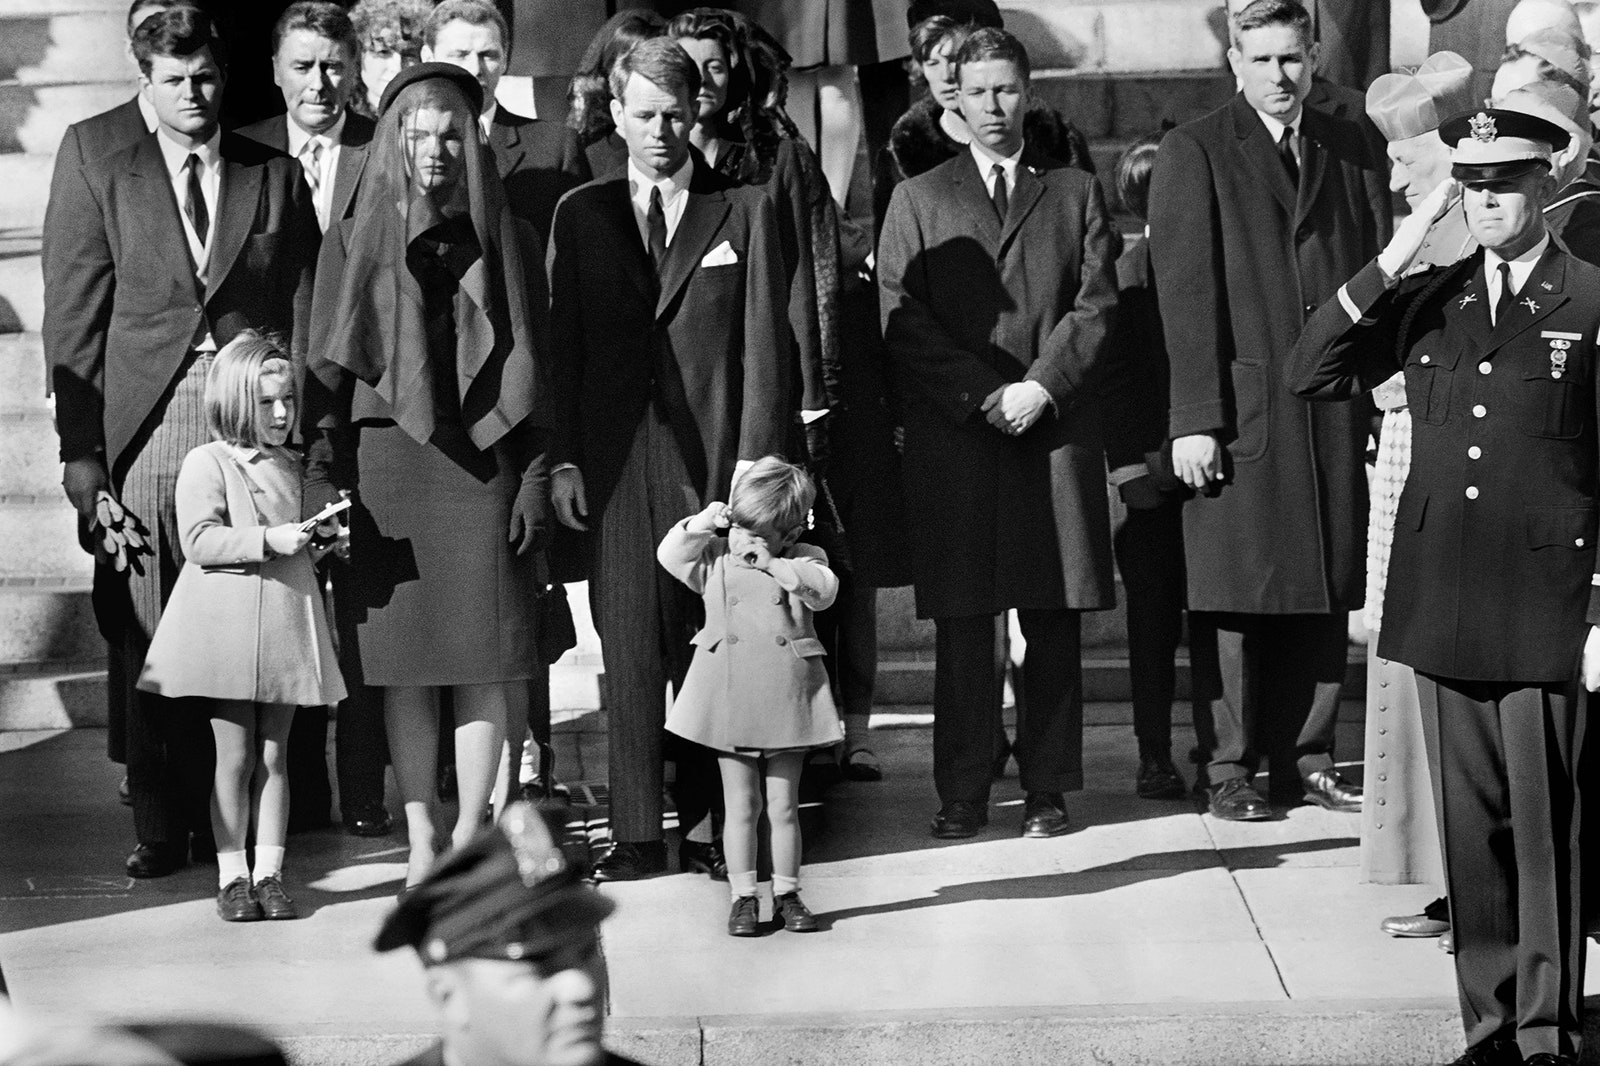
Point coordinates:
[(1554, 406), (1562, 527), (1428, 380), (707, 638), (1252, 409), (806, 647), (1413, 508)]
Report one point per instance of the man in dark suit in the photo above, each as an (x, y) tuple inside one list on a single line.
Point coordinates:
[(93, 137), (180, 241), (998, 286), (538, 160), (670, 346), (1257, 212), (1492, 592), (314, 56)]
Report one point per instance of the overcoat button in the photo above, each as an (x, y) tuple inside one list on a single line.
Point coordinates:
[(733, 601), (777, 598), (782, 641), (733, 639), (1427, 359)]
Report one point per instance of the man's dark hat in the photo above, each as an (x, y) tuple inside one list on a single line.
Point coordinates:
[(424, 71), (1493, 143), (511, 892), (977, 12)]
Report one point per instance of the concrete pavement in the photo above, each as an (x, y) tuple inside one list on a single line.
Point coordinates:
[(1152, 934)]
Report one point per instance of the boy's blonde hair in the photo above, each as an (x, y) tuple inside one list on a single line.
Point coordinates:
[(233, 387), (772, 495)]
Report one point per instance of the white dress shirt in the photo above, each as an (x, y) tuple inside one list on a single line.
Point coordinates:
[(1521, 267), (486, 119), (1275, 131), (986, 164), (674, 197), (176, 158), (328, 168)]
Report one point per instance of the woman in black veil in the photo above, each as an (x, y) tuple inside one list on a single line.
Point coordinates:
[(422, 398)]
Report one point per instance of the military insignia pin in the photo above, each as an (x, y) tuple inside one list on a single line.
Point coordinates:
[(1482, 127), (1560, 345), (1465, 300), (1546, 286), (1532, 307)]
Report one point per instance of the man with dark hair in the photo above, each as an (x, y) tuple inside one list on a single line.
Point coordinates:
[(998, 289), (179, 241), (93, 137), (538, 160), (671, 365), (314, 57), (1257, 212), (1492, 591)]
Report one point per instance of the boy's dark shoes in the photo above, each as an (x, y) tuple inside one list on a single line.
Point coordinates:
[(155, 860), (697, 858), (788, 909), (276, 906), (744, 917), (860, 764), (1044, 814), (236, 903), (367, 820), (631, 861), (958, 820), (1158, 778)]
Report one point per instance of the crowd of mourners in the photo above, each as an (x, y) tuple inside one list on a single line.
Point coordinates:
[(346, 397)]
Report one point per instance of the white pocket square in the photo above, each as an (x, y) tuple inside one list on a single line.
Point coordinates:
[(722, 255)]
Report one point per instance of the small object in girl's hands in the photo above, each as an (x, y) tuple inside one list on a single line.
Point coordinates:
[(323, 515)]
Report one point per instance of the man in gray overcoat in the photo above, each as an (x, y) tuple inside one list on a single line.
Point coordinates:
[(998, 286)]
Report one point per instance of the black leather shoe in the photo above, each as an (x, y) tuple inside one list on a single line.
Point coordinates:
[(156, 860), (1236, 800), (861, 765), (697, 858), (958, 820), (1158, 779), (744, 919), (1496, 1051), (1326, 788), (236, 903), (1545, 1058), (276, 906), (1447, 942), (1433, 921), (631, 861), (367, 820), (1045, 815), (794, 915)]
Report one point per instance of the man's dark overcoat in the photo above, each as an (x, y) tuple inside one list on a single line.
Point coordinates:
[(1494, 550), (1241, 259), (135, 305), (539, 161), (354, 140), (968, 306)]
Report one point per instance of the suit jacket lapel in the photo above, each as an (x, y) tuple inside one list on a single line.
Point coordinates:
[(1534, 302), (162, 223), (969, 189), (632, 253), (352, 160), (1255, 144), (1026, 196), (1313, 165), (703, 214), (507, 144), (241, 189)]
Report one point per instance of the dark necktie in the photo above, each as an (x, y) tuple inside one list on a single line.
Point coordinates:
[(656, 223), (199, 217), (1286, 153), (1002, 199), (1502, 306)]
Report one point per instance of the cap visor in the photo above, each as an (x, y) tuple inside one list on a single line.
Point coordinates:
[(1478, 172)]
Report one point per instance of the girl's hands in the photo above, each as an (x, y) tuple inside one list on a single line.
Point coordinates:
[(287, 538)]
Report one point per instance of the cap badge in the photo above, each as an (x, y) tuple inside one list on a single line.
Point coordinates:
[(537, 855), (1482, 127)]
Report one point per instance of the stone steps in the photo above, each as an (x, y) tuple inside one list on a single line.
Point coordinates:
[(1120, 36), (63, 49)]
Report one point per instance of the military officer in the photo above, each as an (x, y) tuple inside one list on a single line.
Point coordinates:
[(509, 933), (1492, 594)]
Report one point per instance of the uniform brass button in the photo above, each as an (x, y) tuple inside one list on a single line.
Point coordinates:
[(1427, 359), (781, 641), (1478, 410), (1484, 368), (1474, 452), (1472, 492), (733, 640), (1578, 543)]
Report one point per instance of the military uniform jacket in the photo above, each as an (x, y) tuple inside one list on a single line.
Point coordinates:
[(1494, 540)]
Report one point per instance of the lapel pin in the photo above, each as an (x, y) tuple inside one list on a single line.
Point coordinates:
[(1465, 300), (1546, 286), (1532, 307)]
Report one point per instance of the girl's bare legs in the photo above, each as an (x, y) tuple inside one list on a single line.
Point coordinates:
[(480, 738), (269, 787), (411, 716), (233, 726)]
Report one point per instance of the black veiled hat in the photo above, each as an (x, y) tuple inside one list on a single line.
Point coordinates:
[(424, 71), (511, 892), (977, 12)]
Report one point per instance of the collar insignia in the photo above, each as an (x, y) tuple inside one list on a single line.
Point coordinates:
[(1546, 286), (1465, 300), (1532, 307)]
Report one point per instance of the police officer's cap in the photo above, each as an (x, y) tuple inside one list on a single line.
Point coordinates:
[(457, 76), (510, 892), (1492, 143)]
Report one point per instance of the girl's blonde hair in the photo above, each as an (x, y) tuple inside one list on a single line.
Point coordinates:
[(772, 495), (233, 387)]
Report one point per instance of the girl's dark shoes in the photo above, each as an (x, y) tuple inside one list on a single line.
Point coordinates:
[(744, 918), (276, 906), (788, 909), (237, 903)]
